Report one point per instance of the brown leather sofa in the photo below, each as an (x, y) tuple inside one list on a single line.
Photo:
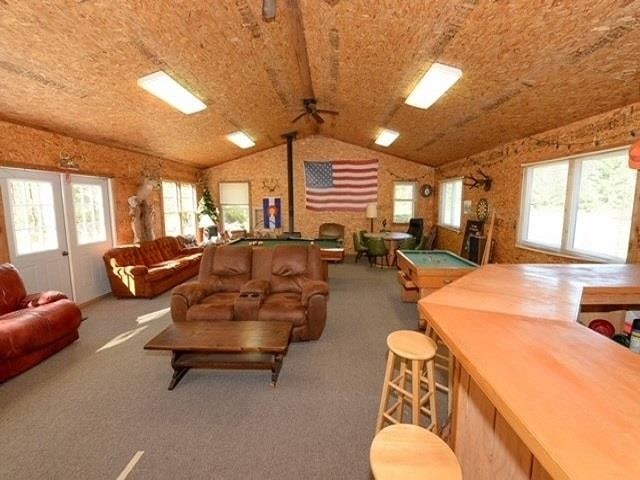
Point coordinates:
[(150, 268), (32, 327), (256, 283)]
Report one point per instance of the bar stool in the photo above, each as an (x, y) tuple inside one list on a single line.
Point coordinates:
[(444, 363), (414, 350), (406, 452)]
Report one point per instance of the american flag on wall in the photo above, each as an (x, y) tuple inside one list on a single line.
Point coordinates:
[(347, 185)]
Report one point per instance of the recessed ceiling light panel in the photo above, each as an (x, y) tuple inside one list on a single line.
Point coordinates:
[(241, 139), (438, 79), (168, 90), (386, 137)]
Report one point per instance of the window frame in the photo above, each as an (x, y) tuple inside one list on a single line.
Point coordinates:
[(571, 208), (414, 200), (180, 212), (222, 225), (441, 184)]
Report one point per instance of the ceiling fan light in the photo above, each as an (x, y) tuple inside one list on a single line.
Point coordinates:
[(438, 79), (168, 90), (269, 10), (241, 139), (386, 137)]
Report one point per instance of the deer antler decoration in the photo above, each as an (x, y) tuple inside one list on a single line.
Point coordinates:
[(270, 184), (484, 181)]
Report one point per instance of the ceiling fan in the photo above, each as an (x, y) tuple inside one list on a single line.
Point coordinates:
[(311, 108)]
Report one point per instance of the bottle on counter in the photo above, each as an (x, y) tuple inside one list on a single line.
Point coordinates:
[(634, 339)]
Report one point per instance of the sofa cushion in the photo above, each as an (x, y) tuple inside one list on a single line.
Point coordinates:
[(168, 246), (12, 289), (288, 265), (158, 273), (283, 306), (124, 256), (216, 307), (228, 268), (151, 253), (232, 261)]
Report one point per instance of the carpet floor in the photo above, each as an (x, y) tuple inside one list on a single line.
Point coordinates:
[(86, 411)]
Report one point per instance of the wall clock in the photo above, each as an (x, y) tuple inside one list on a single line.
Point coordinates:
[(426, 190), (482, 209)]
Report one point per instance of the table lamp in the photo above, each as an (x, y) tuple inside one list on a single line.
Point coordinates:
[(371, 213)]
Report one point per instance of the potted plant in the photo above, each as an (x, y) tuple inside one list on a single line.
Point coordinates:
[(208, 214)]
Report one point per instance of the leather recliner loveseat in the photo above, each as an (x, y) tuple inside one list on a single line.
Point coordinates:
[(150, 268), (257, 283), (32, 327)]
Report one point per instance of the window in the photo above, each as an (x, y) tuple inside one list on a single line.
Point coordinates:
[(579, 206), (234, 206), (450, 209), (179, 202), (34, 217), (404, 201), (88, 209)]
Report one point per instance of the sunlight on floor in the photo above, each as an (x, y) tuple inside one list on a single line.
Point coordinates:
[(150, 317), (123, 337)]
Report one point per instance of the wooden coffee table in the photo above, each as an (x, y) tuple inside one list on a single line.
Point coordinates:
[(240, 345)]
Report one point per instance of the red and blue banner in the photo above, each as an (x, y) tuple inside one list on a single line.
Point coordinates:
[(272, 212)]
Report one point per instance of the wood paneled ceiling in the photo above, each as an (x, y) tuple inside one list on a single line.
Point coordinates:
[(71, 67)]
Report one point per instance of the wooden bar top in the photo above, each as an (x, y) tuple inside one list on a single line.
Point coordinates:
[(572, 395)]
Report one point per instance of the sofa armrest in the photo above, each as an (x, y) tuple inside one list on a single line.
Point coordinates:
[(185, 296), (192, 292), (261, 287), (136, 270), (311, 288), (36, 299)]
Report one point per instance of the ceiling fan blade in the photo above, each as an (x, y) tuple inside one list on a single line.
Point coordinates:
[(298, 117), (330, 112), (318, 118)]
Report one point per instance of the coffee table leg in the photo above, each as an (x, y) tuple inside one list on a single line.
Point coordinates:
[(275, 369), (178, 372)]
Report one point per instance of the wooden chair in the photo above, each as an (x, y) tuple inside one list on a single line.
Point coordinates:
[(416, 354), (402, 452)]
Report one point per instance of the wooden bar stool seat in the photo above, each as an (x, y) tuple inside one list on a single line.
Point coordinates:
[(416, 355), (406, 452)]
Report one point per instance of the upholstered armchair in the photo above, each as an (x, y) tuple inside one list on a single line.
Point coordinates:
[(416, 228), (359, 246), (32, 327), (377, 248), (332, 231)]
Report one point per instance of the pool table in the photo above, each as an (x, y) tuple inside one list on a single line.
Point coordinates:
[(330, 250), (424, 271)]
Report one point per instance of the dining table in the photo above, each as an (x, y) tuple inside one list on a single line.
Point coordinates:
[(392, 239)]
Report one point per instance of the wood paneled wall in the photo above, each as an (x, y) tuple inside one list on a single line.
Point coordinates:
[(271, 165), (26, 147), (619, 127)]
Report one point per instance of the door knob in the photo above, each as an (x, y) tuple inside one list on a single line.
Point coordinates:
[(65, 253)]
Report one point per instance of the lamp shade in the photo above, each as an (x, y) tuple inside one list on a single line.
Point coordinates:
[(634, 156), (205, 221), (372, 211)]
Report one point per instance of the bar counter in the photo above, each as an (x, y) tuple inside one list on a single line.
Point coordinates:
[(536, 394)]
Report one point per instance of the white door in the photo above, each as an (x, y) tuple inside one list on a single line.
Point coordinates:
[(89, 226), (35, 229)]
